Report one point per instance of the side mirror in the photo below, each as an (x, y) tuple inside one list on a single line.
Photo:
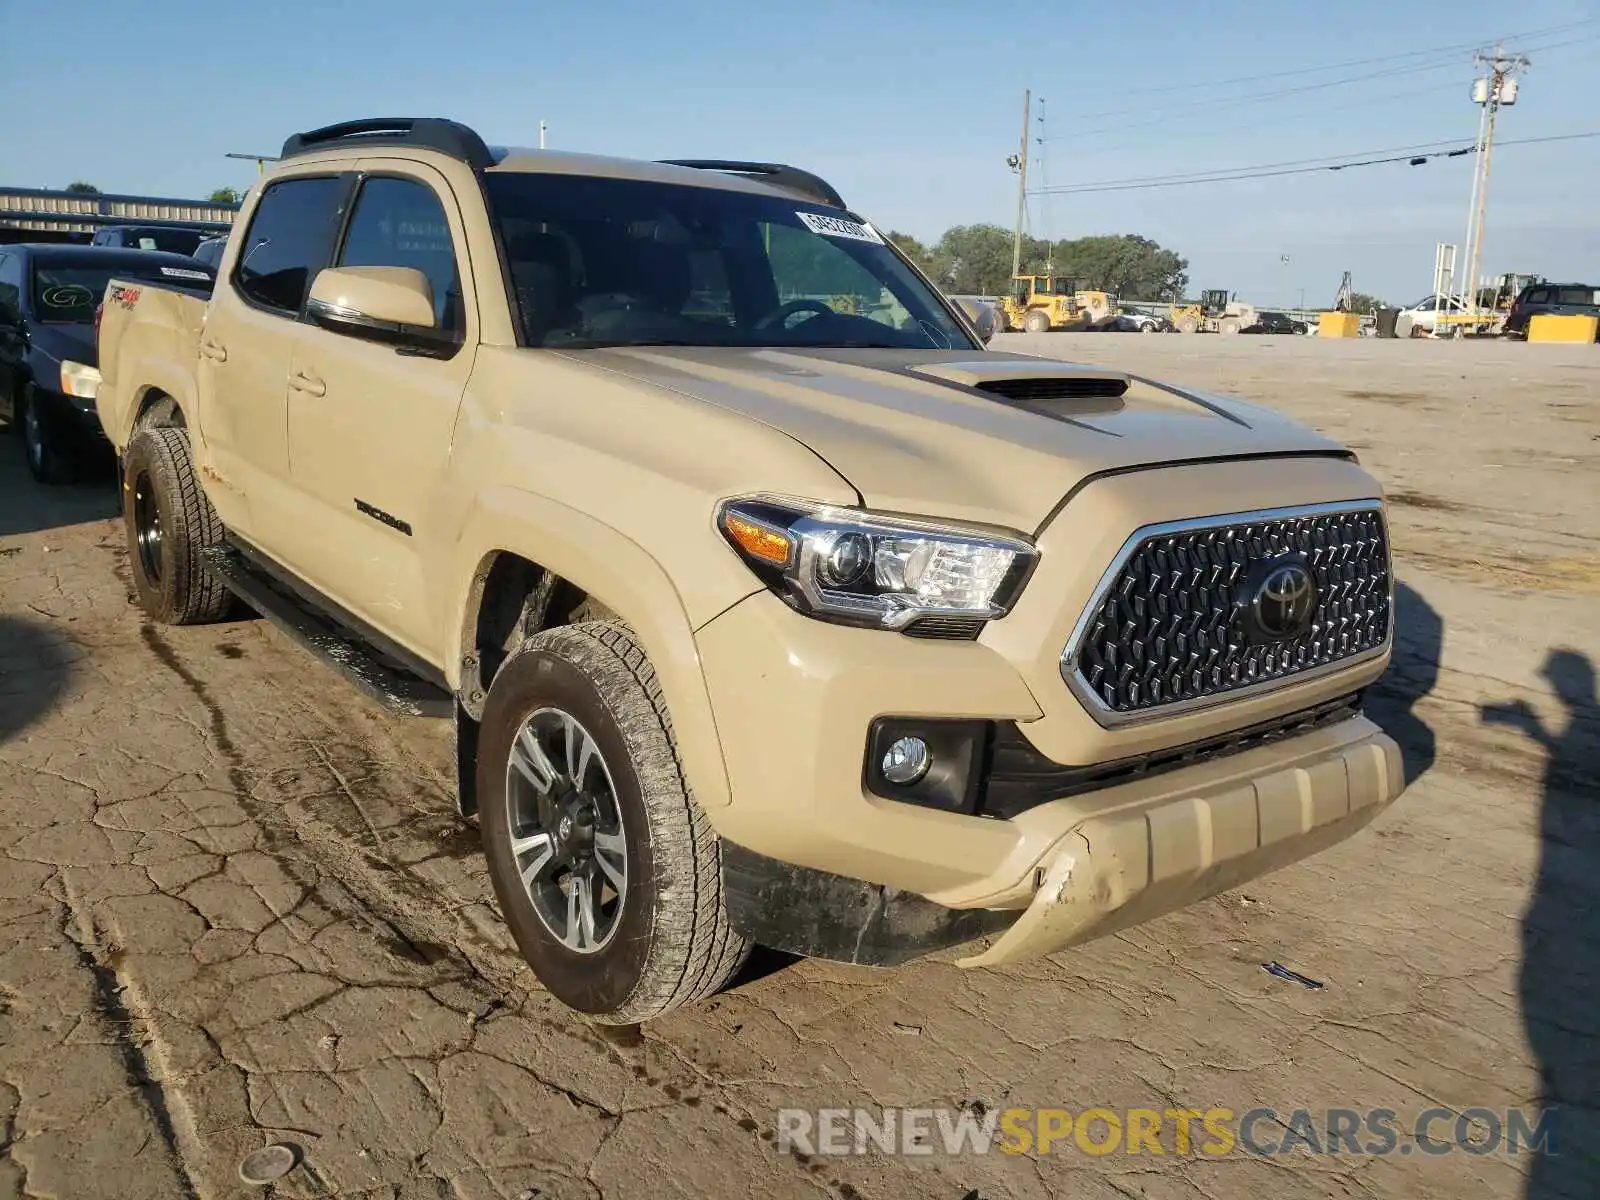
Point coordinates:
[(381, 304), (983, 317)]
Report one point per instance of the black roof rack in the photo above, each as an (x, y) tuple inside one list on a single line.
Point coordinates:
[(793, 178), (429, 133)]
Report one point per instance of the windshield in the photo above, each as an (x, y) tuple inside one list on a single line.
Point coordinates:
[(626, 262), (66, 293)]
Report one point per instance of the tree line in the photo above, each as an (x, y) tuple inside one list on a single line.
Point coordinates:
[(223, 195), (976, 260)]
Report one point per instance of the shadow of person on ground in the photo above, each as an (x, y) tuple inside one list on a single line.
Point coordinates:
[(27, 506), (36, 665), (1413, 673), (1560, 982)]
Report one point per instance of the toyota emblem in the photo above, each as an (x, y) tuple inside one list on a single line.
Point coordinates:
[(1285, 601)]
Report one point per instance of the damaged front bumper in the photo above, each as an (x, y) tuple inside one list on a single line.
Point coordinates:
[(1130, 866), (1126, 862)]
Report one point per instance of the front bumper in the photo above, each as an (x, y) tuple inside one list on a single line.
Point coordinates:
[(1130, 866), (72, 414)]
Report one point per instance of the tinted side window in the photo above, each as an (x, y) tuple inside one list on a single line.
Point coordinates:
[(289, 241), (400, 223), (1538, 296), (10, 283)]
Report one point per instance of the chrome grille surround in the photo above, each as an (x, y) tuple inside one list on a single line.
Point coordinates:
[(1136, 655)]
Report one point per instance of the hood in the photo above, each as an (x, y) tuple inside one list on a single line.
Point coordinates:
[(965, 435)]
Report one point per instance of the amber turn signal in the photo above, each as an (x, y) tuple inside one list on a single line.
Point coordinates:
[(768, 545)]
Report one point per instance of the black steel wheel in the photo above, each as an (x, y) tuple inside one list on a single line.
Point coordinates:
[(170, 524)]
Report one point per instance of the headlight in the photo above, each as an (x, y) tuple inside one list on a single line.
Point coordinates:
[(79, 379), (860, 568)]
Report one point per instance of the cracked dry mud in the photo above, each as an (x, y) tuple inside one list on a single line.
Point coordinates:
[(236, 907)]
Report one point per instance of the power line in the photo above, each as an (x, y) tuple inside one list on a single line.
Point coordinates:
[(1441, 64), (1278, 119), (1370, 158), (1323, 159), (1456, 48)]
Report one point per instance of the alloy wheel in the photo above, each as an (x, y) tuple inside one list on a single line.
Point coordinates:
[(566, 830)]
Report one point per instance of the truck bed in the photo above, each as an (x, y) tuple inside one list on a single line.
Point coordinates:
[(149, 336)]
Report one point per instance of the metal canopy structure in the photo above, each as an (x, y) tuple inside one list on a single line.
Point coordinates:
[(36, 214)]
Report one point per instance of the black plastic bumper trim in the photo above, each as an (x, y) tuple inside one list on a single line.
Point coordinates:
[(820, 915)]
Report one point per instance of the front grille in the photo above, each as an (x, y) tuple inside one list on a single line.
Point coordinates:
[(1020, 778), (1066, 387), (1173, 625)]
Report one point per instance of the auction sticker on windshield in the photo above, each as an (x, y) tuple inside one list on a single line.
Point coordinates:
[(838, 227)]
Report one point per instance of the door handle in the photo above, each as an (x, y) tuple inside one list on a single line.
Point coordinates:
[(215, 351), (309, 384)]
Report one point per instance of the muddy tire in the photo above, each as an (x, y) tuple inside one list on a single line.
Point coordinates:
[(170, 525), (1229, 325), (1036, 322), (607, 871), (1188, 325), (52, 456)]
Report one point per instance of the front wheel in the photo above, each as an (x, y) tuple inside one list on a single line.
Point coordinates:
[(51, 457), (608, 872), (1036, 322)]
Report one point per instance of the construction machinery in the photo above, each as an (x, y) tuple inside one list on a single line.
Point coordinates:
[(1506, 289), (1217, 312), (1039, 303)]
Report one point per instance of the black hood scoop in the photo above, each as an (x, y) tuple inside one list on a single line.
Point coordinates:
[(1064, 387)]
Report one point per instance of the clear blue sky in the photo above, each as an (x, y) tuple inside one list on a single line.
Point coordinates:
[(909, 107)]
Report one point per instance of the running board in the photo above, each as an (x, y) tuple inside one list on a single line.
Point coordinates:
[(390, 684)]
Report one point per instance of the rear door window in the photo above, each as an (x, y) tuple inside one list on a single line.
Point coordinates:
[(289, 240)]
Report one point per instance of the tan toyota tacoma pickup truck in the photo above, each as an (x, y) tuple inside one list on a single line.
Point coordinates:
[(770, 606)]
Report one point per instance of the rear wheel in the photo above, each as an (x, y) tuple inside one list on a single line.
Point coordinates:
[(1188, 325), (170, 525), (1229, 325), (48, 448), (1036, 321), (607, 871)]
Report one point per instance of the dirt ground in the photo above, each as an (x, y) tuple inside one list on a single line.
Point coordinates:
[(236, 908)]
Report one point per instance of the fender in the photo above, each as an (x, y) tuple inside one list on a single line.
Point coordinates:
[(158, 375), (623, 576)]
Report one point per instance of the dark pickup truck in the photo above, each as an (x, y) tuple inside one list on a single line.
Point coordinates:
[(49, 372)]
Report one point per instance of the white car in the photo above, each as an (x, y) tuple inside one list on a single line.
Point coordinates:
[(1424, 314)]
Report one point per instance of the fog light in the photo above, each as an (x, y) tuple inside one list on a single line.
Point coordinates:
[(906, 761)]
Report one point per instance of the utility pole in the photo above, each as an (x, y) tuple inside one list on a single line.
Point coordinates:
[(1497, 89), (1020, 162), (541, 135)]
